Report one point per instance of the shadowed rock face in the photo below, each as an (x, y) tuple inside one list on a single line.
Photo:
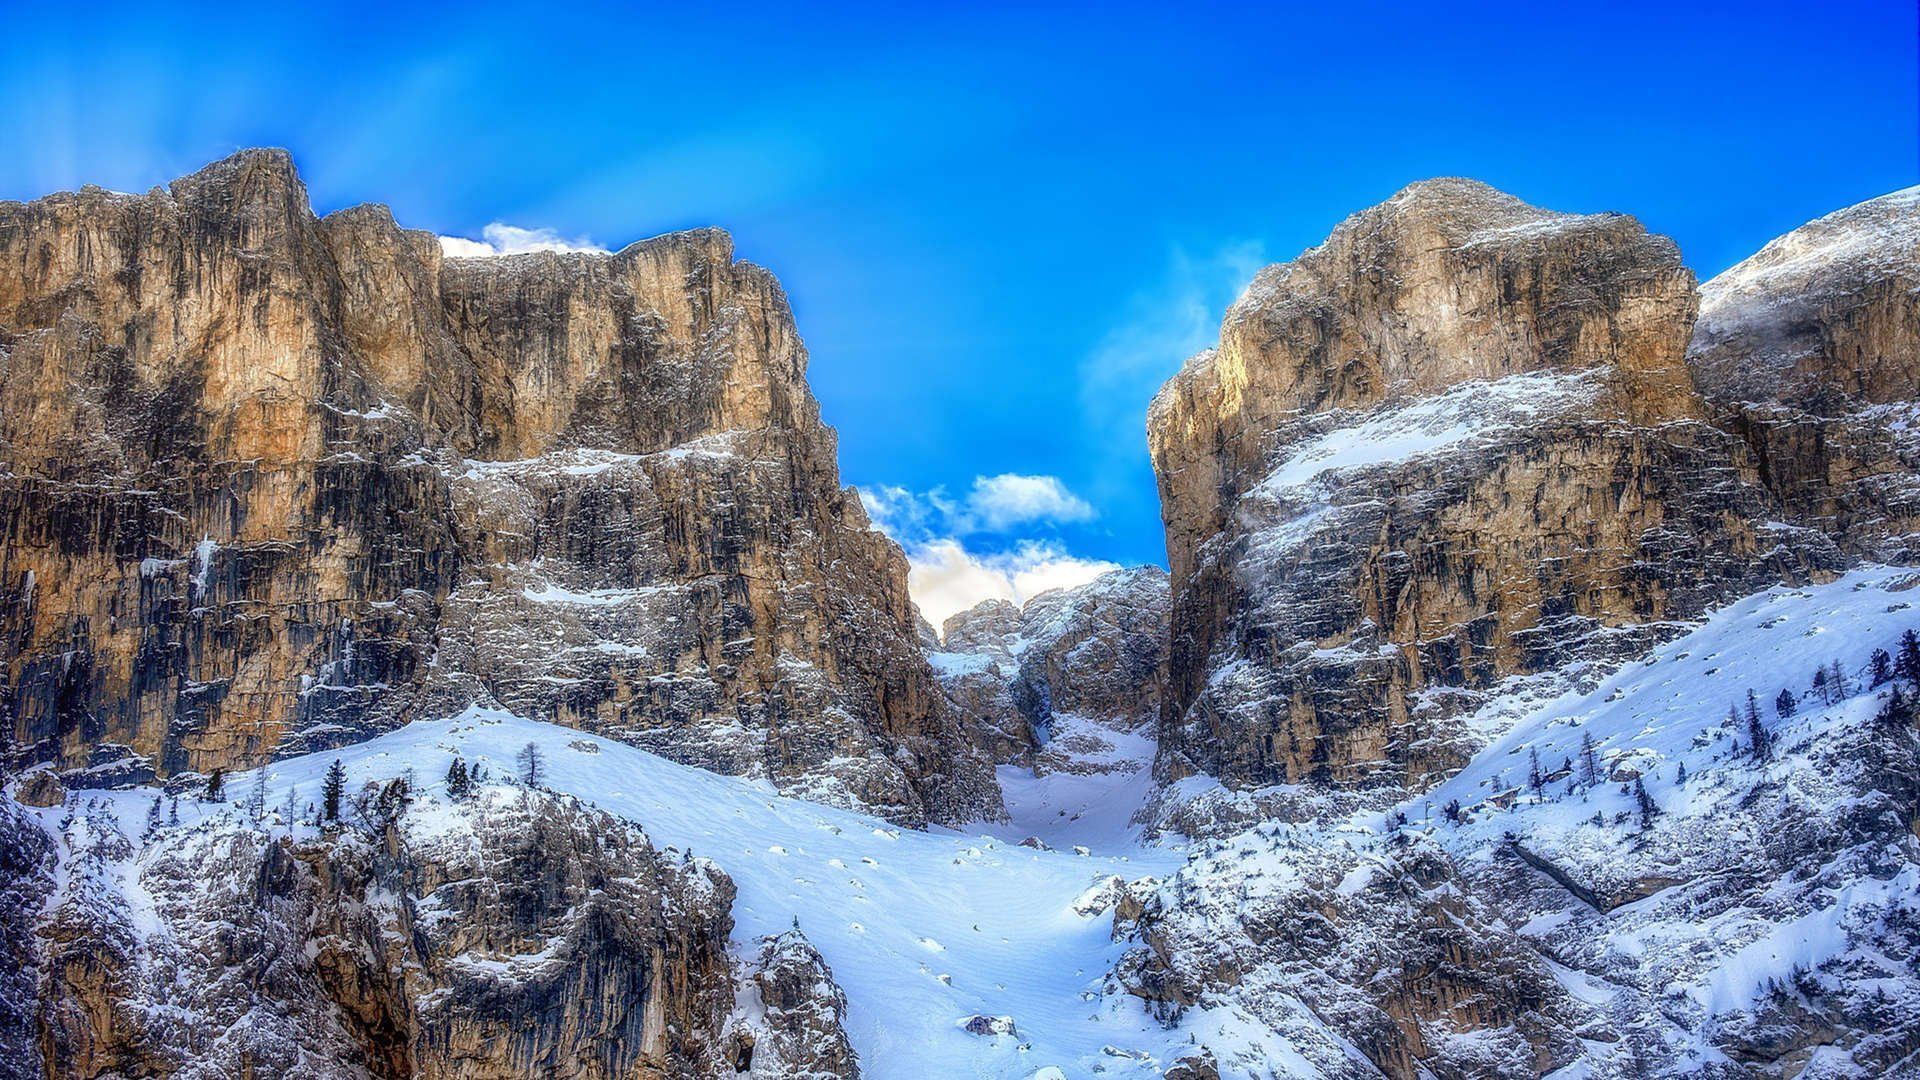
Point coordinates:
[(1095, 652), (275, 482), (519, 934), (1810, 350), (1456, 442)]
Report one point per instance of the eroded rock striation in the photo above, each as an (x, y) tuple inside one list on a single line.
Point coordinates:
[(274, 482), (1458, 441)]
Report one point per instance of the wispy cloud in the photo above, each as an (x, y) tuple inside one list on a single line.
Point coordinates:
[(946, 578), (499, 238), (1165, 323)]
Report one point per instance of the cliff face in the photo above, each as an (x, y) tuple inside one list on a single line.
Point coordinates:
[(515, 934), (1040, 684), (1456, 442), (1810, 350), (275, 482)]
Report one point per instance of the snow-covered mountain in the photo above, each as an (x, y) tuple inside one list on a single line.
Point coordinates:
[(1531, 695)]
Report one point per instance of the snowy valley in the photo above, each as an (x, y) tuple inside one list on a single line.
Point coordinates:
[(1532, 690)]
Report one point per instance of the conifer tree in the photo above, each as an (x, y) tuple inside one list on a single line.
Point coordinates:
[(173, 810), (331, 791), (1680, 774), (459, 781), (1820, 687), (1880, 667), (532, 765), (257, 798), (216, 786), (1648, 810), (1535, 778), (1837, 683), (1757, 733), (1907, 664), (1784, 703), (153, 817), (1589, 760)]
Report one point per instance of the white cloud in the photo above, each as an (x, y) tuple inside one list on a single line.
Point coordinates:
[(499, 238), (996, 504), (999, 502), (946, 579)]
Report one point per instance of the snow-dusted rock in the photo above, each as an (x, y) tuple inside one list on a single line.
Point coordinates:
[(1457, 441), (790, 1016), (516, 933), (1811, 351), (1094, 653)]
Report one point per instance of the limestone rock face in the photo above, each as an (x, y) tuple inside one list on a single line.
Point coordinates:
[(1810, 350), (518, 934), (794, 1016), (274, 482), (1456, 442), (1040, 685)]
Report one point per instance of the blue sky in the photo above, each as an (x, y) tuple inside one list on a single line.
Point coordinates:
[(1002, 227)]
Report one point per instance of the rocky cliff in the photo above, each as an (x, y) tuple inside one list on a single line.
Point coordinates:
[(275, 482), (1457, 442), (515, 933), (1810, 350), (1051, 684)]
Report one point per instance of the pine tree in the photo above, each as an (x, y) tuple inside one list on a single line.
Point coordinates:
[(1880, 666), (173, 810), (532, 765), (331, 790), (1820, 687), (1897, 711), (216, 786), (1753, 710), (1648, 811), (1589, 761), (290, 811), (1757, 733), (153, 817), (257, 798), (459, 782), (1680, 774), (1907, 664), (1837, 682), (1535, 779), (1784, 704)]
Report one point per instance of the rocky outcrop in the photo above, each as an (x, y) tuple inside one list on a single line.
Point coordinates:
[(515, 934), (274, 482), (1810, 350), (1456, 442), (1051, 683), (1389, 952), (791, 1016)]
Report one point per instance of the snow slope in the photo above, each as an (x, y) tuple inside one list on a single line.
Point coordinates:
[(1769, 911), (922, 930)]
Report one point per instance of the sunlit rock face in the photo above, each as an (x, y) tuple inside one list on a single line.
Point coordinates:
[(1456, 442), (1810, 350), (275, 482)]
